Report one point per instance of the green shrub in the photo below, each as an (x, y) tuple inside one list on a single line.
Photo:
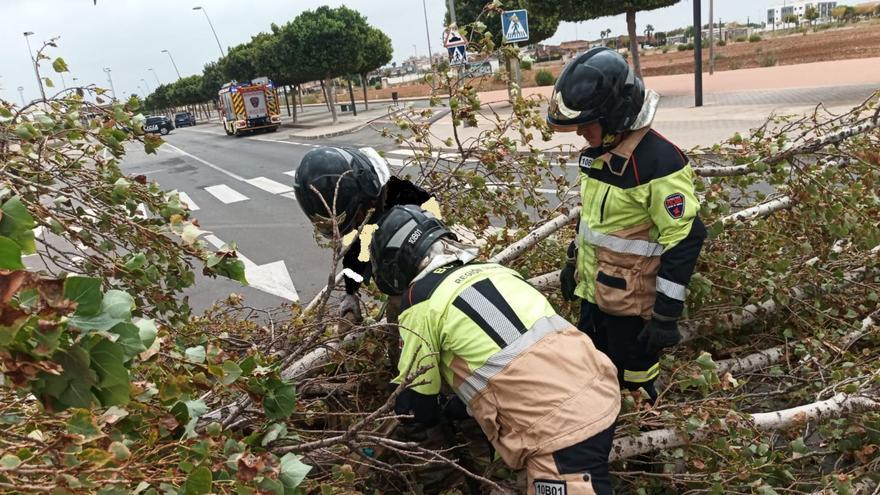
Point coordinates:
[(525, 65), (754, 38), (722, 43), (740, 39), (544, 78), (681, 48), (690, 46), (665, 48), (767, 60)]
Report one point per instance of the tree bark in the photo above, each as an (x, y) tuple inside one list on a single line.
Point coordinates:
[(668, 438), (364, 85), (287, 101), (633, 41), (331, 99), (326, 96), (295, 91)]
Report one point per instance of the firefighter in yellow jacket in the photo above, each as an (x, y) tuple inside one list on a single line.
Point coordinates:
[(639, 236), (538, 388)]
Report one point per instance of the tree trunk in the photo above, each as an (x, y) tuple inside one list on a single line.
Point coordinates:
[(364, 85), (300, 92), (331, 100), (287, 101), (325, 91), (354, 110), (633, 40), (295, 91)]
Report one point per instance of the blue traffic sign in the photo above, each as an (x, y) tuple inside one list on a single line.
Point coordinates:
[(457, 55), (515, 25)]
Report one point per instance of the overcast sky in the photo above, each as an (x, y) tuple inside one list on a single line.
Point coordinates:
[(128, 36)]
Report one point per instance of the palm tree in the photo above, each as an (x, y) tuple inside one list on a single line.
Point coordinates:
[(649, 30)]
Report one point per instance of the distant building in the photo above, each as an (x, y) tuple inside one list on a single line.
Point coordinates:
[(778, 14)]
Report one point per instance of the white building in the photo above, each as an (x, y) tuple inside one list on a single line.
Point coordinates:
[(776, 15)]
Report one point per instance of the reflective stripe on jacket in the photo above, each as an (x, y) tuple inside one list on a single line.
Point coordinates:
[(639, 236), (532, 381)]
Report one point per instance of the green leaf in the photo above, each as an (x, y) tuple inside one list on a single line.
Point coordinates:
[(82, 423), (275, 431), (195, 354), (59, 65), (231, 372), (23, 132), (798, 446), (195, 409), (199, 482), (121, 187), (10, 461), (231, 268), (73, 387), (135, 262), (147, 331), (119, 450), (129, 339), (17, 224), (293, 472), (48, 82), (85, 292), (10, 255), (108, 361), (118, 304), (705, 361), (280, 400)]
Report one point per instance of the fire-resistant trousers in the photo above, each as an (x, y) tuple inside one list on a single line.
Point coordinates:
[(617, 337)]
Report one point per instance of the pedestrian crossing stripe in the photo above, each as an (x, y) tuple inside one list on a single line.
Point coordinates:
[(226, 194)]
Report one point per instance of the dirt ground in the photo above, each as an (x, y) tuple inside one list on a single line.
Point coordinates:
[(860, 40)]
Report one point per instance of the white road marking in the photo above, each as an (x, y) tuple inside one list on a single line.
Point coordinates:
[(189, 202), (272, 278), (290, 195), (226, 194), (205, 162), (291, 173), (269, 185), (395, 162), (202, 131)]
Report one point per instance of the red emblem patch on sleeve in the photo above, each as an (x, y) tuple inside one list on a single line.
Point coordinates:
[(674, 204)]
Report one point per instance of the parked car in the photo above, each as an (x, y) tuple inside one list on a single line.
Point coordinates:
[(160, 124), (184, 119)]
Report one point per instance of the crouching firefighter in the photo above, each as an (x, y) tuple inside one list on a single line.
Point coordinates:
[(639, 236), (544, 396), (356, 181)]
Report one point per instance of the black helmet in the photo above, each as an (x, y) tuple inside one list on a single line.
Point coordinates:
[(404, 237), (354, 176), (597, 86)]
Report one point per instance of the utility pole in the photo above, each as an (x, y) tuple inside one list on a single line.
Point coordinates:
[(711, 38), (428, 35), (222, 53), (698, 55), (110, 79), (172, 63), (34, 62)]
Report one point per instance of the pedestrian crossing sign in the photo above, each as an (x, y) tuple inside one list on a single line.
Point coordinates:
[(515, 25), (457, 55)]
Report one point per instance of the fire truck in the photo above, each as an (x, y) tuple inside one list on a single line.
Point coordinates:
[(249, 106)]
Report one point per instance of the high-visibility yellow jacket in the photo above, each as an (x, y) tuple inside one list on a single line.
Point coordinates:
[(533, 382), (639, 236)]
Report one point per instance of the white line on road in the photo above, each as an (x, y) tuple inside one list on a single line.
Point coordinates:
[(290, 195), (202, 131), (215, 167), (189, 202), (272, 278), (269, 185), (226, 194), (291, 173)]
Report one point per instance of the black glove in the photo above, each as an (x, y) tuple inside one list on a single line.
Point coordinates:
[(659, 334), (568, 274)]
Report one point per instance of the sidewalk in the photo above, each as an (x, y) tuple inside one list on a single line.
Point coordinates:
[(318, 125), (734, 101)]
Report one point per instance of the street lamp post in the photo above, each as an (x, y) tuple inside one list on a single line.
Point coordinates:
[(110, 79), (212, 29), (428, 34), (34, 62), (172, 62), (21, 93), (146, 85), (158, 83)]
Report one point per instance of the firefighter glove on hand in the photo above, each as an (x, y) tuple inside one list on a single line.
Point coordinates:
[(568, 275), (351, 304), (659, 334)]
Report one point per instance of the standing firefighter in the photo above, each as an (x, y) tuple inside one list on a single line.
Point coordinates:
[(360, 181), (538, 388), (639, 236)]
